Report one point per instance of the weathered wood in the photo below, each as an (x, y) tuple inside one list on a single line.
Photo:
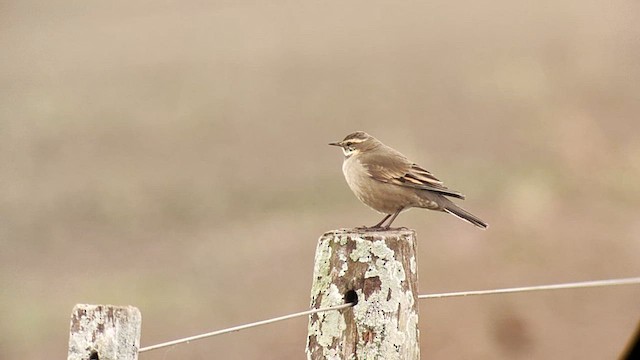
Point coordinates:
[(379, 267), (104, 332)]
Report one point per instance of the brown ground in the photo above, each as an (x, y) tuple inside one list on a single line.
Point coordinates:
[(172, 155)]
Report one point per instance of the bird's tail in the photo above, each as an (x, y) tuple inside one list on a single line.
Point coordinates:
[(461, 213)]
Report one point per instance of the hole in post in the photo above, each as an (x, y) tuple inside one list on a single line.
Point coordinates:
[(94, 355), (351, 296)]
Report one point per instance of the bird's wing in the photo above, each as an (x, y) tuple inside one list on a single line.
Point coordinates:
[(398, 170)]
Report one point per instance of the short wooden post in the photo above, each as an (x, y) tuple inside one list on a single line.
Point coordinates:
[(104, 332), (379, 269)]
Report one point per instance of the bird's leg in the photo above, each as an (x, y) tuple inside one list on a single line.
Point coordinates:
[(395, 214), (379, 225)]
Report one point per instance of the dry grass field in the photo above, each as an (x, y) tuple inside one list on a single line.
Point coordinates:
[(172, 156)]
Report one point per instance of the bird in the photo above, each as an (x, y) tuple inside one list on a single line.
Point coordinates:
[(389, 183)]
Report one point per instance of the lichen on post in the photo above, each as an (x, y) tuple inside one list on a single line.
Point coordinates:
[(104, 332), (379, 269)]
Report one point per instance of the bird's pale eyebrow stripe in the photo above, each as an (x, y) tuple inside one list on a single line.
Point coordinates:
[(355, 140)]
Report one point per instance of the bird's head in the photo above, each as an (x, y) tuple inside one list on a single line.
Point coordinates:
[(356, 142)]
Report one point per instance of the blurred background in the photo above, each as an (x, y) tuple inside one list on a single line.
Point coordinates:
[(173, 156)]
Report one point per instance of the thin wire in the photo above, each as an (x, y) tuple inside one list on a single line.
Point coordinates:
[(245, 326), (582, 284)]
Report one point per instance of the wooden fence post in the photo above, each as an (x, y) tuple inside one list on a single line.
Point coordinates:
[(104, 332), (378, 268)]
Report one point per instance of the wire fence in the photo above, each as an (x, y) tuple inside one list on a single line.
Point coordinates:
[(245, 326), (573, 285)]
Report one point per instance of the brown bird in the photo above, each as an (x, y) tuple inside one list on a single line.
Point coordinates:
[(386, 181)]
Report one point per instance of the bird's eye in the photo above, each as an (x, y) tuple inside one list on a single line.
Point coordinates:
[(348, 144)]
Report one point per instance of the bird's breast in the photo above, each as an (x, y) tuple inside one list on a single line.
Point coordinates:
[(355, 173), (382, 197)]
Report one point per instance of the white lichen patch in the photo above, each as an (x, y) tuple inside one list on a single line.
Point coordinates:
[(332, 354), (391, 272), (321, 267), (331, 323), (332, 296), (411, 346), (381, 250), (413, 265), (409, 297), (362, 252), (343, 264), (323, 257)]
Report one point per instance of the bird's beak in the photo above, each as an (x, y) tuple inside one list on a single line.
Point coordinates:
[(339, 143)]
